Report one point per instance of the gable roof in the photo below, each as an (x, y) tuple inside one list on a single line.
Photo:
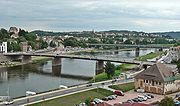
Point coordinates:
[(157, 72), (135, 104)]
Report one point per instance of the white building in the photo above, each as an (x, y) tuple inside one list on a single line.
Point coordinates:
[(3, 47)]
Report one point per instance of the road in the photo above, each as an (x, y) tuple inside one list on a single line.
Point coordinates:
[(63, 92)]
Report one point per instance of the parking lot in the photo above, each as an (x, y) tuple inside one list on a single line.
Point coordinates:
[(131, 94)]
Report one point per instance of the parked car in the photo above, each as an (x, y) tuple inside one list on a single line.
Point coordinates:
[(119, 93), (105, 99), (150, 95), (140, 99), (82, 104), (113, 96), (143, 97), (130, 101), (97, 101), (93, 103), (140, 90), (135, 100), (177, 103), (110, 98)]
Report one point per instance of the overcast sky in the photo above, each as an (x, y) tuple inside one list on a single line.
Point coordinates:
[(75, 15)]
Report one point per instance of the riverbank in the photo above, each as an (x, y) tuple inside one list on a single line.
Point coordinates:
[(35, 59), (149, 56), (94, 51), (119, 69)]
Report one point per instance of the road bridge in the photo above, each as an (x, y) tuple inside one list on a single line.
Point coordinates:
[(132, 46), (26, 58)]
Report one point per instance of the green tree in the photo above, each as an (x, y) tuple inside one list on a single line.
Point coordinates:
[(52, 44), (4, 34), (178, 66), (32, 44), (88, 101), (73, 42), (109, 69), (22, 32), (167, 101), (15, 46), (128, 41)]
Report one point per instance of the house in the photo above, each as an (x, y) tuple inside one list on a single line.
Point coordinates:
[(134, 104), (175, 53), (13, 32), (158, 79), (3, 47)]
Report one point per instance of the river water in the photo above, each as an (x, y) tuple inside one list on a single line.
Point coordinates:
[(42, 77)]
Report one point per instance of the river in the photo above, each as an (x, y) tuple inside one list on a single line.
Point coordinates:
[(40, 77)]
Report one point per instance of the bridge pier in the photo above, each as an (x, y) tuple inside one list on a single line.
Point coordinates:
[(56, 61), (56, 66), (99, 67), (161, 49), (137, 51), (26, 59)]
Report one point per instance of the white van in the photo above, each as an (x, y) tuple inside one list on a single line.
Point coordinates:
[(30, 93), (62, 87)]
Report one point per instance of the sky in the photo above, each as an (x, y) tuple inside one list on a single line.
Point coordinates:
[(79, 15)]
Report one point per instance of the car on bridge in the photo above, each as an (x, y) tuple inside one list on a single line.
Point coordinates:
[(30, 93)]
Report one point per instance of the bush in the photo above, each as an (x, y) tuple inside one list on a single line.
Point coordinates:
[(167, 101)]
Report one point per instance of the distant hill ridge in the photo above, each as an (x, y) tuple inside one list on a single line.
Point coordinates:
[(172, 34)]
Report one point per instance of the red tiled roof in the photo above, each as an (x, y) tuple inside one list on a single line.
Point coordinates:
[(135, 104), (103, 104), (178, 47)]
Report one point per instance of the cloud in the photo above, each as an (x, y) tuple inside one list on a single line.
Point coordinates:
[(144, 15)]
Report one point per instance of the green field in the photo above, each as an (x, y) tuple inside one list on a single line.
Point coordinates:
[(39, 59), (103, 76), (119, 69), (125, 67), (149, 56), (73, 99), (123, 87)]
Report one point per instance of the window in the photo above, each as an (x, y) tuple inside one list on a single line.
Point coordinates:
[(152, 83), (156, 83), (146, 81), (159, 83)]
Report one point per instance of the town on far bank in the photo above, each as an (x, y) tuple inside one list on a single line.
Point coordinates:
[(128, 68)]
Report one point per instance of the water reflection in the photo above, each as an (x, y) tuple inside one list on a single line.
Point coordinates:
[(43, 77)]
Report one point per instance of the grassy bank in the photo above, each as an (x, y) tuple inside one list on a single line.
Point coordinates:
[(125, 67), (149, 56), (123, 87), (36, 59), (103, 76), (73, 99), (118, 71)]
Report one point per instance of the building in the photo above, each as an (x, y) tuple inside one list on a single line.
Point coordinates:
[(134, 104), (24, 46), (158, 79), (3, 47), (175, 53), (13, 32)]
